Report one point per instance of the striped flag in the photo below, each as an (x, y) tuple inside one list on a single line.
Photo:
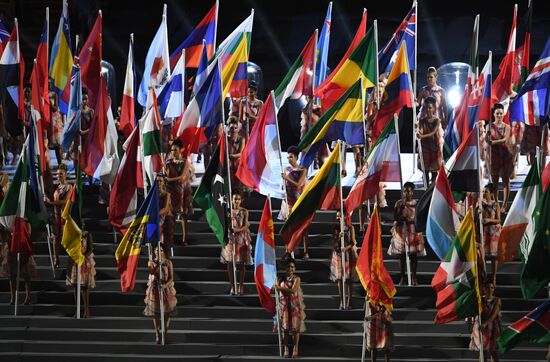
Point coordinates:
[(321, 54), (463, 165), (171, 98), (128, 111), (151, 142), (534, 328), (61, 60), (265, 270), (72, 124)]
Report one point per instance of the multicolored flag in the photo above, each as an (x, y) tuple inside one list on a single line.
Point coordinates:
[(144, 229), (234, 70), (320, 193), (37, 117), (72, 216), (265, 269), (128, 109), (40, 71), (61, 60), (4, 35), (370, 266), (458, 127), (201, 70), (72, 124), (90, 57), (405, 32), (463, 165), (534, 328), (479, 100), (456, 279), (151, 141), (321, 54), (525, 50), (171, 98)]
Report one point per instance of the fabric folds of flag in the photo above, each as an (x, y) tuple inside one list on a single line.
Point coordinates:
[(533, 327), (151, 141), (40, 70), (480, 102), (90, 61), (257, 165), (72, 216), (201, 70), (456, 279), (212, 195), (128, 112), (405, 32), (72, 124), (192, 45), (443, 219), (458, 127), (381, 165), (321, 55), (144, 229), (370, 266), (61, 59), (463, 165), (234, 69), (397, 93), (171, 98), (343, 121), (265, 270), (321, 193), (4, 35)]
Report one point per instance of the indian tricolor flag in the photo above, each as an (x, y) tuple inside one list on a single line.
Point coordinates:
[(518, 216), (299, 78), (151, 142), (321, 193), (381, 165)]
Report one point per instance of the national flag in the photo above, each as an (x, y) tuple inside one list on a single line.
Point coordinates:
[(298, 81), (72, 124), (545, 178), (123, 196), (422, 209), (90, 61), (534, 249), (201, 70), (99, 149), (321, 53), (458, 127), (212, 196), (234, 70), (381, 165), (61, 60), (144, 229), (533, 328), (171, 98), (361, 64), (128, 108), (257, 165), (525, 48), (474, 55), (518, 216), (37, 117), (456, 279), (157, 63), (370, 266), (40, 70), (405, 32), (343, 121), (320, 193), (204, 113), (479, 101), (4, 35), (464, 166), (265, 269), (225, 49), (72, 216), (193, 44), (397, 93), (532, 103), (12, 70), (443, 218), (151, 141)]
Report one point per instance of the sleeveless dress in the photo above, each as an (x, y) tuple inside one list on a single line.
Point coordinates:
[(502, 160), (152, 296), (491, 331), (251, 108), (234, 148), (438, 93), (166, 222), (87, 269), (243, 251), (336, 258), (56, 129), (293, 192), (491, 232), (181, 194), (292, 307), (379, 331), (432, 147), (404, 223), (86, 118), (60, 193)]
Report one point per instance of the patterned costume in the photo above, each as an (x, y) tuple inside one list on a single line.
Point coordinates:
[(491, 331), (491, 232), (152, 296), (292, 307), (8, 269), (432, 147), (87, 269), (293, 192), (166, 221), (438, 93), (502, 160), (379, 331), (336, 258), (250, 107), (56, 129), (60, 193), (404, 222), (86, 117), (181, 194), (235, 148), (243, 252)]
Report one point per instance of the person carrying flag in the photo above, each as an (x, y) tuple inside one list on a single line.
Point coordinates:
[(434, 90), (336, 268), (431, 138), (87, 271), (490, 323), (249, 110), (379, 331)]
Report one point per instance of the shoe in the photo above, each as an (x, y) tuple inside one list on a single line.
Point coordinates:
[(287, 353), (27, 301), (232, 291), (306, 257), (295, 354)]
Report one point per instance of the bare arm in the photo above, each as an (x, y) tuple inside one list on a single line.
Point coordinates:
[(245, 223)]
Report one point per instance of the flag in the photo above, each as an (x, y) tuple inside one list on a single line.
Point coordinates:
[(204, 113), (257, 165), (201, 70), (123, 196), (157, 62), (474, 55), (464, 166), (12, 70), (381, 165), (526, 48), (518, 216), (99, 149), (320, 193), (61, 59), (151, 141), (321, 53), (212, 195), (442, 216), (128, 110), (458, 127), (479, 100), (37, 117), (72, 124), (265, 269), (225, 49), (361, 64), (405, 32), (90, 61), (171, 98), (234, 70), (298, 81), (144, 229), (456, 279), (193, 44), (72, 216), (534, 246), (4, 35), (343, 121), (40, 71), (532, 103), (422, 209), (397, 93), (370, 266), (534, 328)]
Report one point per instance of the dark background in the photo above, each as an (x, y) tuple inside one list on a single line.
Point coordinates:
[(281, 28)]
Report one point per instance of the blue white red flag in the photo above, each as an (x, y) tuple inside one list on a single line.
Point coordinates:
[(170, 98), (265, 270), (201, 70), (405, 32), (322, 49)]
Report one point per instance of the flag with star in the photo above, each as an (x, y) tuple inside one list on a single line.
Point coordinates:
[(211, 195), (456, 281)]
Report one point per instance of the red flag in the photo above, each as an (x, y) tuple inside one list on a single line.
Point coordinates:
[(90, 61), (36, 103)]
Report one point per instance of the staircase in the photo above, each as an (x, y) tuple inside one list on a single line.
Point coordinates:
[(212, 326)]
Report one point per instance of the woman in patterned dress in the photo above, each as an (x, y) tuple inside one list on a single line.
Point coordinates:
[(379, 331), (291, 308), (502, 160), (56, 129), (490, 324), (404, 230), (239, 235), (350, 251), (236, 148), (249, 110), (60, 196), (87, 272), (491, 227), (154, 285), (431, 140), (178, 185), (434, 90), (86, 117)]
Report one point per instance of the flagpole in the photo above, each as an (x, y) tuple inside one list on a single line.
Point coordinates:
[(17, 282), (215, 26), (342, 145), (415, 5), (276, 292), (78, 279), (405, 232), (285, 197), (479, 201), (365, 326), (376, 95), (161, 297)]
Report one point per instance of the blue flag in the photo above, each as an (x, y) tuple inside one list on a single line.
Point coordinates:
[(406, 31), (322, 49), (72, 124), (151, 209)]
